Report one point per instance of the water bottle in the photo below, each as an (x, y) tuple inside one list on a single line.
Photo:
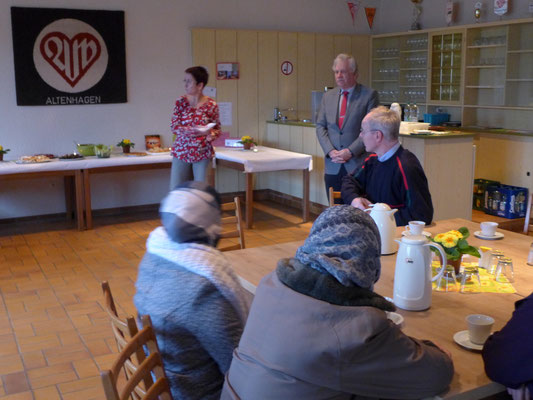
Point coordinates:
[(413, 115), (407, 112)]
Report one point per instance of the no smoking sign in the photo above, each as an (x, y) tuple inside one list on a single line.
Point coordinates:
[(286, 68)]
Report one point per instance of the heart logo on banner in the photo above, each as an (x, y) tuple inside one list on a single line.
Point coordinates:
[(71, 58)]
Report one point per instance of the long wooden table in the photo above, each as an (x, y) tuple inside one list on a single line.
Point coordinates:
[(263, 160), (448, 311), (72, 177)]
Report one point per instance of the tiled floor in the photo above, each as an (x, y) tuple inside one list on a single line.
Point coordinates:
[(54, 334)]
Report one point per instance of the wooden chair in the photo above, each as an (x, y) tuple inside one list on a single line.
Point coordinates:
[(235, 205), (333, 196), (151, 366), (528, 226), (124, 330)]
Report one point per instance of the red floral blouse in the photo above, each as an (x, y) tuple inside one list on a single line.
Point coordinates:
[(188, 147)]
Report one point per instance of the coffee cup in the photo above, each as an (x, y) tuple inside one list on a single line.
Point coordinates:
[(415, 227), (479, 327), (488, 228)]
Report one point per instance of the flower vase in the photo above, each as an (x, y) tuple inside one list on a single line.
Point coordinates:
[(1, 156), (247, 146), (125, 149), (456, 264)]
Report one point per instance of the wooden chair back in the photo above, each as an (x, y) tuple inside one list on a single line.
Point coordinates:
[(232, 226), (528, 226), (333, 195), (151, 366), (124, 330)]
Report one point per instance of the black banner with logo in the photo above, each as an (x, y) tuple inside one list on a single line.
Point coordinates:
[(67, 57)]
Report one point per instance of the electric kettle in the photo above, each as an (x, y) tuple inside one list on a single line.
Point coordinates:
[(412, 277), (383, 216)]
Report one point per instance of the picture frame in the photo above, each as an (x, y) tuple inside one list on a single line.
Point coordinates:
[(228, 70)]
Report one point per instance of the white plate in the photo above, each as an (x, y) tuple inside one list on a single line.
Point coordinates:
[(425, 233), (462, 339), (31, 162), (497, 235), (395, 317), (162, 153)]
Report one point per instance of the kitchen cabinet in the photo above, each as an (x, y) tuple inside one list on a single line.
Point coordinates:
[(482, 74), (445, 68)]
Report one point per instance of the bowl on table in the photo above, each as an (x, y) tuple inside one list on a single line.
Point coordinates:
[(103, 151), (85, 149)]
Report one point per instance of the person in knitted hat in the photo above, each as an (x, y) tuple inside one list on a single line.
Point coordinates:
[(197, 306), (317, 329)]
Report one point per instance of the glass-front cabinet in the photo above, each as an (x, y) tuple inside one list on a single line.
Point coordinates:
[(480, 74), (445, 69)]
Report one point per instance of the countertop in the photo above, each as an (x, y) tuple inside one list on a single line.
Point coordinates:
[(460, 131)]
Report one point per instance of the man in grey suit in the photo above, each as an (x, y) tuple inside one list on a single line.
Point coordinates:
[(339, 121)]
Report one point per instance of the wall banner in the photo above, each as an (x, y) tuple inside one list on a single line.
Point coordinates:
[(68, 57)]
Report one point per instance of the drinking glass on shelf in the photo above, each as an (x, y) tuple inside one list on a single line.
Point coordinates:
[(470, 281), (504, 270)]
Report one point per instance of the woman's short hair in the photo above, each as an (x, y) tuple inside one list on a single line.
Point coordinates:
[(384, 120), (199, 74)]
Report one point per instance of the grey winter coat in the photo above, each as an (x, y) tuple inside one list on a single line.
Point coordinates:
[(312, 338)]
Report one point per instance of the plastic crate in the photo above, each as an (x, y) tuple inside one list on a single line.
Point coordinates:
[(436, 119), (481, 184), (506, 201)]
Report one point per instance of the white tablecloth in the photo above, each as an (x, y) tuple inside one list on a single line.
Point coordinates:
[(265, 159), (10, 167)]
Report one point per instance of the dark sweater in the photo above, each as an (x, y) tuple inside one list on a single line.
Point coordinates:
[(508, 354), (399, 182)]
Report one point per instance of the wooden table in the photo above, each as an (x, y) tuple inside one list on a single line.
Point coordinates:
[(70, 172), (264, 160), (448, 311), (118, 163)]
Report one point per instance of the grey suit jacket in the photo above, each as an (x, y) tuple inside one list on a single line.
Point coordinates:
[(331, 137)]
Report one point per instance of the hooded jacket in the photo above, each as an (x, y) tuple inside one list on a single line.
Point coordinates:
[(309, 337)]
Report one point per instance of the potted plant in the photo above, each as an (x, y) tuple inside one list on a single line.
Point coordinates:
[(2, 152), (247, 142), (126, 144), (455, 245)]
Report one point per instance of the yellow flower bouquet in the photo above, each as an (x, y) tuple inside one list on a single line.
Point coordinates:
[(247, 142), (455, 245), (126, 143), (4, 151)]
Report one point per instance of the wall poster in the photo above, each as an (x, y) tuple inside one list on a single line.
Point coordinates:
[(68, 57)]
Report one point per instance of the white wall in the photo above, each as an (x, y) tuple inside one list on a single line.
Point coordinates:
[(396, 15), (157, 52)]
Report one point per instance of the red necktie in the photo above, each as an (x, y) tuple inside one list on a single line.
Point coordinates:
[(344, 103)]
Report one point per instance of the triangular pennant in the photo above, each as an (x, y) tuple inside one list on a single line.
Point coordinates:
[(353, 10), (370, 13)]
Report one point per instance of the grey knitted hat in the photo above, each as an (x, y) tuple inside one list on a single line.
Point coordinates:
[(344, 242), (191, 214)]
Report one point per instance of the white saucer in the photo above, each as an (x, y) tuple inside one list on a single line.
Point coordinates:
[(425, 233), (462, 339), (497, 235), (395, 317)]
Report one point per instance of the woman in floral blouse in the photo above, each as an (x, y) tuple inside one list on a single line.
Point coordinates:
[(192, 149)]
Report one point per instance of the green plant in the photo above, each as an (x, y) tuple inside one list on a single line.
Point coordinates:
[(247, 139), (454, 243), (2, 151), (126, 142)]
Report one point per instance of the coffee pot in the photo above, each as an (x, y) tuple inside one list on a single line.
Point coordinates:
[(383, 216), (412, 277)]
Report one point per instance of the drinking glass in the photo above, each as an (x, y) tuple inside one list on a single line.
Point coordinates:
[(496, 255), (504, 270), (448, 281), (470, 281)]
